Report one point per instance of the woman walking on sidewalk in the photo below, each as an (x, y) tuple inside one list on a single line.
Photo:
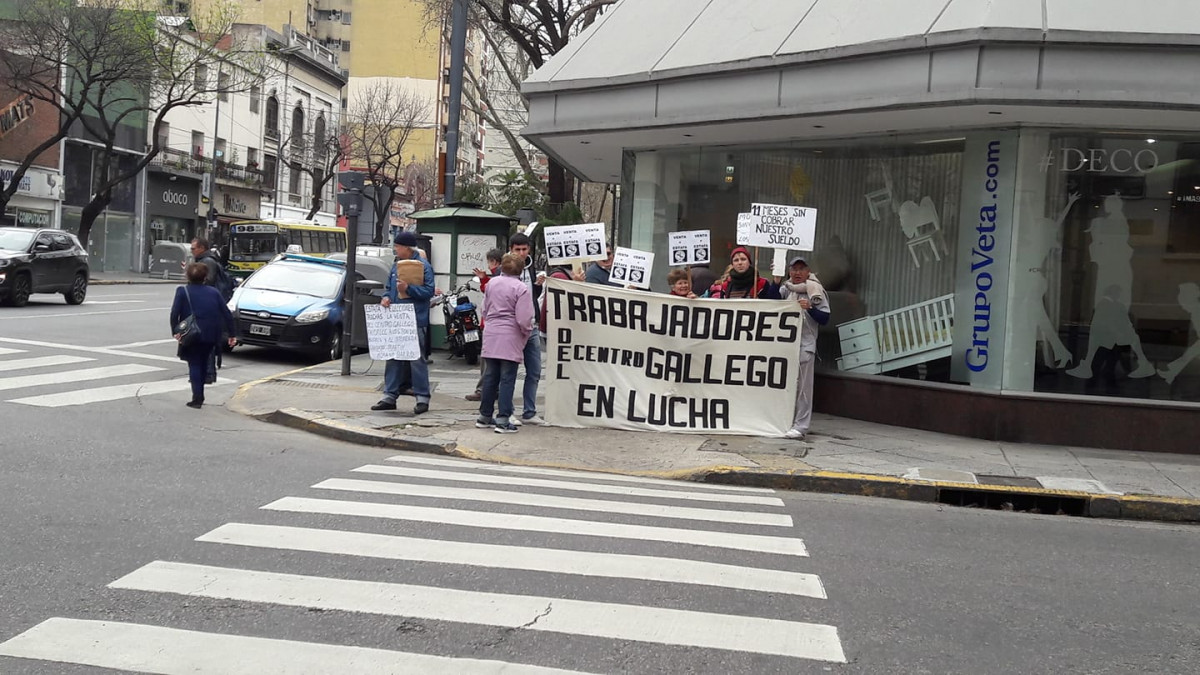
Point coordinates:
[(508, 315), (211, 319)]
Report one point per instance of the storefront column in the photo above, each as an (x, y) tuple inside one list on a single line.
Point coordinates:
[(984, 258), (1036, 247)]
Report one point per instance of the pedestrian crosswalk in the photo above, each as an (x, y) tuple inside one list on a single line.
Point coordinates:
[(524, 555), (77, 380)]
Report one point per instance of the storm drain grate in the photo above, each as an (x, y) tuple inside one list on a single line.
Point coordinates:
[(1013, 501), (306, 385)]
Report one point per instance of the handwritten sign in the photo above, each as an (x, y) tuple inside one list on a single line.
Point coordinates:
[(745, 224), (631, 267), (690, 247), (392, 332), (788, 227), (567, 244)]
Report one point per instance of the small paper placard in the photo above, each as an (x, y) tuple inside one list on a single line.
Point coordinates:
[(392, 332), (568, 244), (690, 247), (631, 267)]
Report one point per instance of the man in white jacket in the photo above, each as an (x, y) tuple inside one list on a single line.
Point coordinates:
[(803, 287)]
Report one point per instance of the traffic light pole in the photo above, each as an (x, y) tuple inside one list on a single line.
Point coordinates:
[(350, 200), (348, 302)]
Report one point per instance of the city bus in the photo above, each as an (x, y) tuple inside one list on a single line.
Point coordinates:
[(253, 243)]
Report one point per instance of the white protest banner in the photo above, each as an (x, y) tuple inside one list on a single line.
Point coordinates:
[(631, 266), (745, 225), (392, 332), (690, 247), (776, 226), (648, 362), (567, 244)]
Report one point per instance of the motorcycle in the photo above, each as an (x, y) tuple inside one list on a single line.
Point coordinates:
[(463, 336)]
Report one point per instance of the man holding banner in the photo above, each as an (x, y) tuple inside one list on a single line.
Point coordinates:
[(413, 285)]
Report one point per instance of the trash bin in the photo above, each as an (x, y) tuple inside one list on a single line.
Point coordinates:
[(364, 294), (168, 258)]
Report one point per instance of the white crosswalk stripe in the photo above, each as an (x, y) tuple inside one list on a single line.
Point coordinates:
[(170, 651), (552, 501), (556, 554), (756, 543), (32, 375), (570, 485)]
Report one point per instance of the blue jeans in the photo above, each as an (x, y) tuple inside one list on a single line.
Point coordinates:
[(499, 382), (398, 375), (533, 374)]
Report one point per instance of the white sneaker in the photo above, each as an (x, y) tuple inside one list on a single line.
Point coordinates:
[(794, 434), (515, 421), (535, 421)]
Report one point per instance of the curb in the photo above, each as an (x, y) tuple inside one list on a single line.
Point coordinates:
[(330, 428), (1092, 505), (1115, 507), (131, 282)]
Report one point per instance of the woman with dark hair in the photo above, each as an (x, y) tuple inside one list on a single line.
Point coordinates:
[(742, 280), (212, 321)]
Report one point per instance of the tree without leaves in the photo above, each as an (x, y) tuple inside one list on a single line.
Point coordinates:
[(320, 160), (540, 29), (382, 117), (121, 65)]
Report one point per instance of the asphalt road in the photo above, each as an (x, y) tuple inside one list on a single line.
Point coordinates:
[(414, 560)]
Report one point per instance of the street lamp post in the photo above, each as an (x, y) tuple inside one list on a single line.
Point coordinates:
[(458, 57)]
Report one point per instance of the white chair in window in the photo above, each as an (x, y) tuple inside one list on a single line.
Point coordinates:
[(923, 227)]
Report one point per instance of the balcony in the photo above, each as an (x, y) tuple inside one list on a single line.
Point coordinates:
[(237, 174), (178, 161)]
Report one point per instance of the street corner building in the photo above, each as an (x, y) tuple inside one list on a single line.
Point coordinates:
[(1008, 193)]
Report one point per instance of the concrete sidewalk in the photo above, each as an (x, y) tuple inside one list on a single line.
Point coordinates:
[(120, 278), (840, 455)]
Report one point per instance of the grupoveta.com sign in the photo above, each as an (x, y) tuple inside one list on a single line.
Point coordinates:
[(647, 362)]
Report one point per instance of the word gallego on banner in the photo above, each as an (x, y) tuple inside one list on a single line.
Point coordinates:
[(640, 361)]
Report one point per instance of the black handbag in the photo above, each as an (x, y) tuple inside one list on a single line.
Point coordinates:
[(189, 328)]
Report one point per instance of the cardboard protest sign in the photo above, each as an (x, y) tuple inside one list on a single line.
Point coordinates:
[(776, 226), (392, 332), (567, 244), (631, 267), (745, 224), (647, 362), (689, 247)]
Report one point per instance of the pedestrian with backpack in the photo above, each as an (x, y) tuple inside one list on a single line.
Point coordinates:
[(219, 279)]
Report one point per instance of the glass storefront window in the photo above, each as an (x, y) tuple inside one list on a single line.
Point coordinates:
[(1109, 256), (886, 236)]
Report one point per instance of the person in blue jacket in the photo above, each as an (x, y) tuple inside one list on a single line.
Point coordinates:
[(213, 321), (416, 373)]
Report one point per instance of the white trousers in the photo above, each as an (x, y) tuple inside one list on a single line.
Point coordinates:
[(804, 387)]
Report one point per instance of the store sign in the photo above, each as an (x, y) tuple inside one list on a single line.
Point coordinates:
[(14, 114), (237, 204), (38, 183), (984, 256), (1102, 160), (33, 218), (172, 198)]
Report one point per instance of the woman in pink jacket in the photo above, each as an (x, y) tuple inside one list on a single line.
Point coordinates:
[(508, 315)]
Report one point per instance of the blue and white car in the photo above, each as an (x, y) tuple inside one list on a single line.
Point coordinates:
[(295, 303)]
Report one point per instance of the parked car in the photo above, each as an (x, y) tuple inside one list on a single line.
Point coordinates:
[(295, 303), (41, 261)]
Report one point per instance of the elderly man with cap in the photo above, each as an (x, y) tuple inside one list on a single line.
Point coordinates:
[(415, 373), (803, 287)]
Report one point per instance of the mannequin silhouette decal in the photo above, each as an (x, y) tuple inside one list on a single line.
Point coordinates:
[(1189, 299), (1111, 326)]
